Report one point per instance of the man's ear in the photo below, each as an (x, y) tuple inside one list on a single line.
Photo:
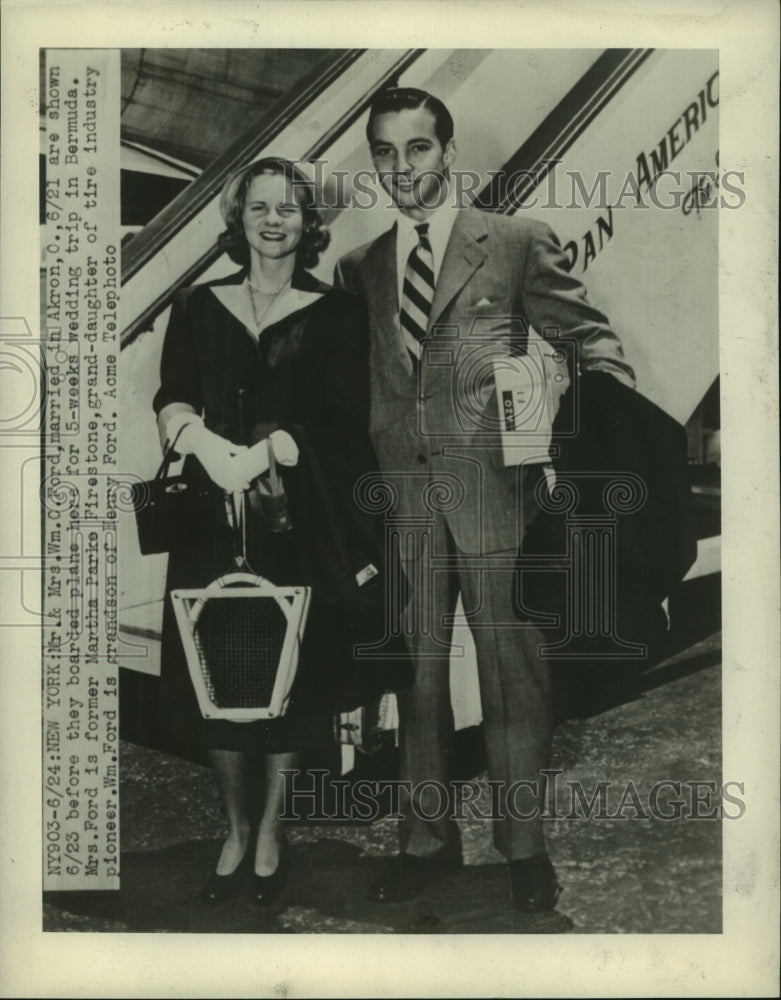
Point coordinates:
[(449, 154)]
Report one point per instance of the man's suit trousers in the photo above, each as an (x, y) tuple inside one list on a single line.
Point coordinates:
[(514, 692)]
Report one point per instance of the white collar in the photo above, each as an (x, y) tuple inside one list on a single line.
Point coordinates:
[(440, 225), (237, 299)]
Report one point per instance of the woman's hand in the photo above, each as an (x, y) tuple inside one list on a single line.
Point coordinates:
[(220, 459), (230, 466), (285, 448), (254, 461)]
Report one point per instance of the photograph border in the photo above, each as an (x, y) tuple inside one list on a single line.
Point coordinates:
[(743, 960)]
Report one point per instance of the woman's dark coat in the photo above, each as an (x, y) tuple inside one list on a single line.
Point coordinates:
[(306, 373)]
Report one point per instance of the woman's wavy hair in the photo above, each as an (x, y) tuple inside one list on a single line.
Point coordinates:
[(315, 237)]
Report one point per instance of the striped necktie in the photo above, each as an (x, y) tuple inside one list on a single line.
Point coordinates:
[(417, 291)]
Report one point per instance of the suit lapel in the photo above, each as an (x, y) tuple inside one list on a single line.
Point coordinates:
[(465, 252), (379, 269)]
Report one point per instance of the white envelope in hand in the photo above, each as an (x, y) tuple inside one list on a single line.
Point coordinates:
[(528, 402)]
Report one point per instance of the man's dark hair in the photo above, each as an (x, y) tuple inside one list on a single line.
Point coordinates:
[(395, 99)]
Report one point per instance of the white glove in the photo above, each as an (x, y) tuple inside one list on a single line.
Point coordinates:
[(254, 461), (285, 448), (219, 458)]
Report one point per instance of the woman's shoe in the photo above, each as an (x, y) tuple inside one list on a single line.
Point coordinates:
[(265, 889), (218, 888)]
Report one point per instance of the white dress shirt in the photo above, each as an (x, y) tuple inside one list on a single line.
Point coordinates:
[(440, 224)]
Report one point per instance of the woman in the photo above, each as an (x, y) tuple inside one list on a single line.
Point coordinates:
[(269, 353)]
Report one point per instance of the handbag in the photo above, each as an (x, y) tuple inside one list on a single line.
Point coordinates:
[(274, 502), (241, 635), (172, 512)]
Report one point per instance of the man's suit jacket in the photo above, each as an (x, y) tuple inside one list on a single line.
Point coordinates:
[(437, 421)]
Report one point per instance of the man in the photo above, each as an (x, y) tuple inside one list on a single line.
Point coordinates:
[(451, 290)]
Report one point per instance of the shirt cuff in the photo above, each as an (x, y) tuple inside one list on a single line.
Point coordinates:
[(171, 419)]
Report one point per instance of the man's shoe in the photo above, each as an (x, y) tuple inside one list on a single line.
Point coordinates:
[(407, 875), (534, 884)]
